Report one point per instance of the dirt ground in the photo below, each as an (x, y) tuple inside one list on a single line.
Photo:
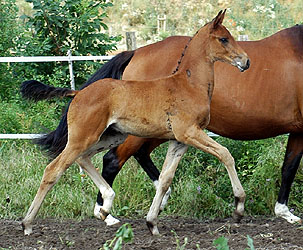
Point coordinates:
[(267, 233)]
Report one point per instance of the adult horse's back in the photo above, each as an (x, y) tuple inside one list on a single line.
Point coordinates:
[(263, 102)]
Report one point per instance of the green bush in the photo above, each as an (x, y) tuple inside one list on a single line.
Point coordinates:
[(55, 27)]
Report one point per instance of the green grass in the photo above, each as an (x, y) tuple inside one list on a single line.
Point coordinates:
[(201, 187)]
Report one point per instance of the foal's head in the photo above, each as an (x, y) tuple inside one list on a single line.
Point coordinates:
[(223, 47)]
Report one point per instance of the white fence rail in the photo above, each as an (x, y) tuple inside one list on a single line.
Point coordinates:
[(69, 58)]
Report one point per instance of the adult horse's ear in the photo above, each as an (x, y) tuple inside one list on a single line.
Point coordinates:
[(218, 19)]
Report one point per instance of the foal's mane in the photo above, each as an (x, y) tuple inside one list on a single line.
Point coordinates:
[(185, 48), (182, 55)]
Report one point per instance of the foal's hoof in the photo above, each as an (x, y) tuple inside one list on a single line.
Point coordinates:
[(27, 229), (103, 214), (237, 217), (110, 220), (152, 228)]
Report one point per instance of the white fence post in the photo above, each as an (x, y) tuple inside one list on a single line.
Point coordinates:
[(243, 38), (71, 73)]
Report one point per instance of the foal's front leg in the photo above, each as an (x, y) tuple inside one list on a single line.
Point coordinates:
[(174, 154), (195, 136)]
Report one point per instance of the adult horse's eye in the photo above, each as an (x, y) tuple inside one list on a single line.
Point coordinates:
[(223, 40)]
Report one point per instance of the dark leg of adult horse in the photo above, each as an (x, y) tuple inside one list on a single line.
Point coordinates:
[(291, 163)]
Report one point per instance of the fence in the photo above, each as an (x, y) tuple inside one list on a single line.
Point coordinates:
[(69, 58)]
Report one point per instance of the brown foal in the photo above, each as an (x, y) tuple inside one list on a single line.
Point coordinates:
[(176, 108)]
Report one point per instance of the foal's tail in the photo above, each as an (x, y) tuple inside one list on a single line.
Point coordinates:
[(55, 141), (37, 91)]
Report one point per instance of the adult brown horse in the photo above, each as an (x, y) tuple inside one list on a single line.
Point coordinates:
[(263, 102), (174, 108)]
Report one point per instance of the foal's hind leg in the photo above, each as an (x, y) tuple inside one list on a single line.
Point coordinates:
[(52, 174), (143, 158), (115, 158), (113, 161), (107, 192), (174, 154), (196, 137)]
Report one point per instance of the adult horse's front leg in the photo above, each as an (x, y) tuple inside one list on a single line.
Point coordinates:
[(174, 154), (291, 163), (195, 136)]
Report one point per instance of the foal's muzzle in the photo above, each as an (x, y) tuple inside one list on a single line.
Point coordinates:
[(242, 64)]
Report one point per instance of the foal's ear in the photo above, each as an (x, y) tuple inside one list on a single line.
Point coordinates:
[(218, 19)]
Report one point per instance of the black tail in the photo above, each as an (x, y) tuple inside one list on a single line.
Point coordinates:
[(37, 91), (55, 141)]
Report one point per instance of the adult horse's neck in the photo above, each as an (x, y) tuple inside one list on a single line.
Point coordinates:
[(196, 61)]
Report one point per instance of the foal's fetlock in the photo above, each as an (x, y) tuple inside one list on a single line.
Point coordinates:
[(237, 216), (27, 228), (109, 194), (108, 197), (239, 211), (151, 223), (103, 213), (152, 228)]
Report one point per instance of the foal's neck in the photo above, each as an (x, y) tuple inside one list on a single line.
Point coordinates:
[(196, 62)]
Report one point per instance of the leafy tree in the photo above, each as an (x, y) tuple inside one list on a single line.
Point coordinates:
[(8, 27), (58, 26), (9, 30)]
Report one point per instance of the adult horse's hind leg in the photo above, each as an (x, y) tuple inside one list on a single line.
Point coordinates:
[(52, 174), (291, 163)]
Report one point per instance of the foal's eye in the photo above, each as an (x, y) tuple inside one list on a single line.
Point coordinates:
[(223, 40)]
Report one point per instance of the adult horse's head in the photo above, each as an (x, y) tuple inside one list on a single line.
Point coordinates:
[(223, 46)]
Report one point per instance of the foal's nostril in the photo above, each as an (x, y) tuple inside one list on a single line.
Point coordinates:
[(247, 63)]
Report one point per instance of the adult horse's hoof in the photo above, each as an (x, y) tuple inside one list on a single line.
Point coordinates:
[(27, 229), (281, 210), (152, 228), (237, 217)]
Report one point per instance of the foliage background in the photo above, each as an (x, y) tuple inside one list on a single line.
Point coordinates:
[(201, 187)]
